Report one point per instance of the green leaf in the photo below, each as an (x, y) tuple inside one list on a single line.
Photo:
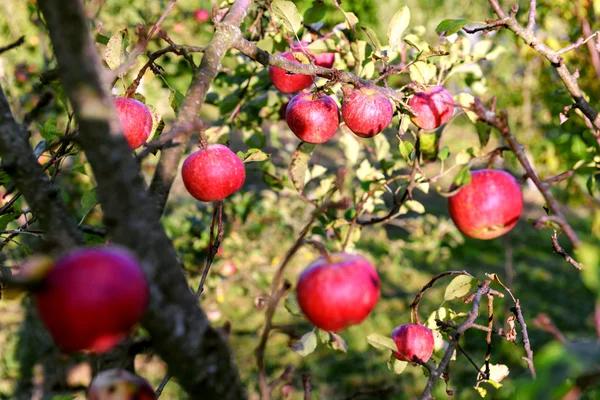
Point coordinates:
[(287, 13), (324, 336), (5, 220), (450, 26), (306, 345), (157, 122), (444, 153), (483, 131), (50, 130), (267, 44), (89, 200), (299, 164), (175, 100), (406, 149), (351, 20), (116, 54), (497, 374), (255, 155), (415, 206), (100, 38), (422, 72), (382, 147), (592, 184), (59, 92), (463, 177), (315, 13), (396, 366), (458, 287), (291, 304), (397, 26), (373, 39), (382, 342)]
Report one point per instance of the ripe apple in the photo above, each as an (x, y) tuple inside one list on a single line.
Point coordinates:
[(136, 120), (413, 340), (213, 173), (432, 107), (92, 298), (118, 384), (366, 111), (325, 60), (201, 15), (338, 291), (286, 82), (228, 269), (489, 206), (314, 118)]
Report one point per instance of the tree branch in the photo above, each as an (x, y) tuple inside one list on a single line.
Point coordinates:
[(44, 198), (196, 353), (501, 123), (225, 33), (555, 59)]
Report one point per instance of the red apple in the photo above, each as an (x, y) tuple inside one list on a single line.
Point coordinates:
[(286, 82), (92, 298), (489, 206), (432, 107), (339, 291), (136, 121), (413, 340), (213, 173), (325, 60), (118, 384), (201, 15), (366, 111), (228, 269), (314, 118)]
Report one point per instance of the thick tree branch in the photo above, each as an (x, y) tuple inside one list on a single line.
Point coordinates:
[(44, 198), (225, 33), (196, 353), (267, 59)]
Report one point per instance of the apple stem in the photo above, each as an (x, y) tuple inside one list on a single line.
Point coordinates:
[(321, 248), (202, 143)]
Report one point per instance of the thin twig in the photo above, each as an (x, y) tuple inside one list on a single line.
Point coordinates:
[(157, 25), (526, 344), (531, 18), (16, 43), (307, 387)]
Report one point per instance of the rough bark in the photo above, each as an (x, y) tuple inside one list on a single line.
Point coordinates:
[(195, 352)]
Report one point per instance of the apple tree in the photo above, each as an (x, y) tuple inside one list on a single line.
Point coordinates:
[(256, 199)]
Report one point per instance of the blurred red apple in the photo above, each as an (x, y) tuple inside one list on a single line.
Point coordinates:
[(118, 384), (413, 340), (136, 121), (228, 269), (337, 292), (286, 82), (432, 107), (178, 27), (213, 173), (489, 206), (314, 118), (92, 298), (201, 15), (366, 111), (325, 60)]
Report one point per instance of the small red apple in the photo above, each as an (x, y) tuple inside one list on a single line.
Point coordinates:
[(213, 173), (118, 384), (314, 118), (339, 291), (432, 107), (92, 298), (325, 60), (413, 340), (136, 121), (178, 27), (286, 82), (366, 111), (201, 15), (489, 206), (228, 269)]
